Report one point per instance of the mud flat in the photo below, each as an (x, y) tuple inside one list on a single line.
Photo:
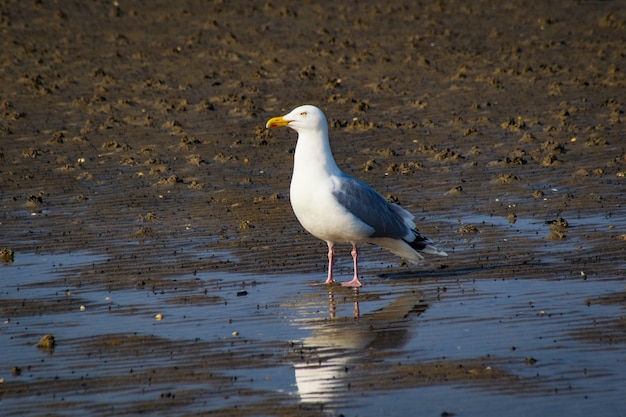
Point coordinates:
[(146, 219)]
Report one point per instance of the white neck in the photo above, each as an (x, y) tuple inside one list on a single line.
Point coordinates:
[(313, 155)]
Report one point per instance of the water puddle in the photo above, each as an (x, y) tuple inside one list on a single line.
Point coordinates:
[(214, 342)]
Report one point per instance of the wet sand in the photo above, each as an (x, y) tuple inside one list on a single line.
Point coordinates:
[(138, 179)]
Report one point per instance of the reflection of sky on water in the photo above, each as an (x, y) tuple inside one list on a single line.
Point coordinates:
[(331, 349)]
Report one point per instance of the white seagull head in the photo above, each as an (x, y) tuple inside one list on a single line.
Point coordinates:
[(301, 119)]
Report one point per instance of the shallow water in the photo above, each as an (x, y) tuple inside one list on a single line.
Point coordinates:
[(396, 344)]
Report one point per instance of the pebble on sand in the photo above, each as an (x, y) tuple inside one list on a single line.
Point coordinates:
[(47, 342)]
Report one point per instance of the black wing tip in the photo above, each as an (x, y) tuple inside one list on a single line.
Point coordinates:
[(423, 244)]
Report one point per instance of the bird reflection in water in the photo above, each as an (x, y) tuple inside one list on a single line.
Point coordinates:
[(333, 304), (329, 358)]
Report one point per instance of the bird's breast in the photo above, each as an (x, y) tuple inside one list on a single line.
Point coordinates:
[(319, 212)]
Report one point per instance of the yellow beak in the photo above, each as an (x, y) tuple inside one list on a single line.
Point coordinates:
[(277, 122)]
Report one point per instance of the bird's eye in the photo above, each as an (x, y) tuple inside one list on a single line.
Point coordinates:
[(303, 114)]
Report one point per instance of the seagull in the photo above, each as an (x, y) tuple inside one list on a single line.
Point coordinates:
[(337, 208)]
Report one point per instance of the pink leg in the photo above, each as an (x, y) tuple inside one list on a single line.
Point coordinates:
[(331, 258), (355, 281)]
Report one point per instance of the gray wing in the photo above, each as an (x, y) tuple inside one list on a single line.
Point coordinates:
[(387, 219)]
